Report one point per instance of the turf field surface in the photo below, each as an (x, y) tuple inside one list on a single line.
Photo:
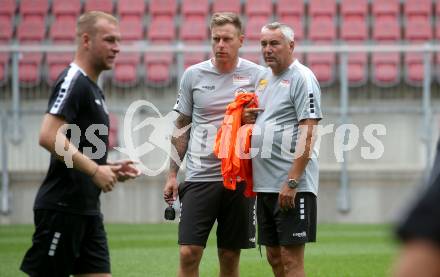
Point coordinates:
[(151, 250)]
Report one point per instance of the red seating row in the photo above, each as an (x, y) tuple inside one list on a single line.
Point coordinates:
[(289, 11), (383, 69), (317, 8), (322, 29)]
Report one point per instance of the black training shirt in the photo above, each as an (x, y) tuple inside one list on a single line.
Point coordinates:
[(79, 101)]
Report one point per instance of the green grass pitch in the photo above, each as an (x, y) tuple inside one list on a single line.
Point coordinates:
[(151, 250)]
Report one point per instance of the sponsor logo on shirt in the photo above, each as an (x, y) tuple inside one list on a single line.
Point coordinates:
[(285, 83), (240, 80), (209, 87)]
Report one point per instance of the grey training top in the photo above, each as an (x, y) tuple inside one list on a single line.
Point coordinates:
[(287, 99), (204, 94)]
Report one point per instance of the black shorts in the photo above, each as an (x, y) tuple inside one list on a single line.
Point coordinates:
[(202, 203), (65, 244), (291, 227)]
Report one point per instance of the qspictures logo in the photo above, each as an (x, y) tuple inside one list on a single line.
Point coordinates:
[(162, 130)]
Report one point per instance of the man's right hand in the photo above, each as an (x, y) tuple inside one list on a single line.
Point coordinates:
[(249, 115), (106, 177), (170, 191)]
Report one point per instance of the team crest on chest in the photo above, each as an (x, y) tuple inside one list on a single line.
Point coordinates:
[(240, 91)]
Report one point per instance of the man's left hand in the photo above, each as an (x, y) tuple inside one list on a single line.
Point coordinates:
[(127, 170)]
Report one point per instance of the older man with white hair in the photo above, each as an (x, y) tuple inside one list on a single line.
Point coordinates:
[(285, 170)]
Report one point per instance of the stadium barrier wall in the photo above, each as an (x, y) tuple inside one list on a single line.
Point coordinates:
[(347, 188)]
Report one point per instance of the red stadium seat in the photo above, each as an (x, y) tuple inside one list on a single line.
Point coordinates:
[(322, 8), (322, 30), (131, 8), (161, 28), (291, 12), (63, 30), (262, 8), (414, 72), (418, 8), (323, 65), (195, 8), (357, 69), (31, 29), (418, 30), (255, 57), (437, 29), (29, 68), (131, 28), (99, 5), (253, 27), (386, 69), (163, 7), (157, 68), (125, 72), (226, 6), (388, 8), (354, 8), (290, 8), (386, 29), (193, 58), (194, 29), (437, 9), (7, 9), (56, 63), (252, 37), (34, 8), (6, 29), (386, 66), (158, 65), (437, 36), (296, 23), (4, 60), (354, 31), (66, 8)]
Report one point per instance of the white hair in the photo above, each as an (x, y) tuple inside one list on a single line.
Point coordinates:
[(286, 30)]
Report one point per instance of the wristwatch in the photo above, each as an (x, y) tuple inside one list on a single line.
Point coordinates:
[(292, 183)]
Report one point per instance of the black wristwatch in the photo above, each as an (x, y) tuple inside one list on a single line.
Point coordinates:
[(292, 183)]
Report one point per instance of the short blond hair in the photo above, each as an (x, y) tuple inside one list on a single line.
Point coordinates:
[(87, 22), (223, 18)]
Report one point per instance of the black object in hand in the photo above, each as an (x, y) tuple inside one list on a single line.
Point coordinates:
[(170, 213)]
